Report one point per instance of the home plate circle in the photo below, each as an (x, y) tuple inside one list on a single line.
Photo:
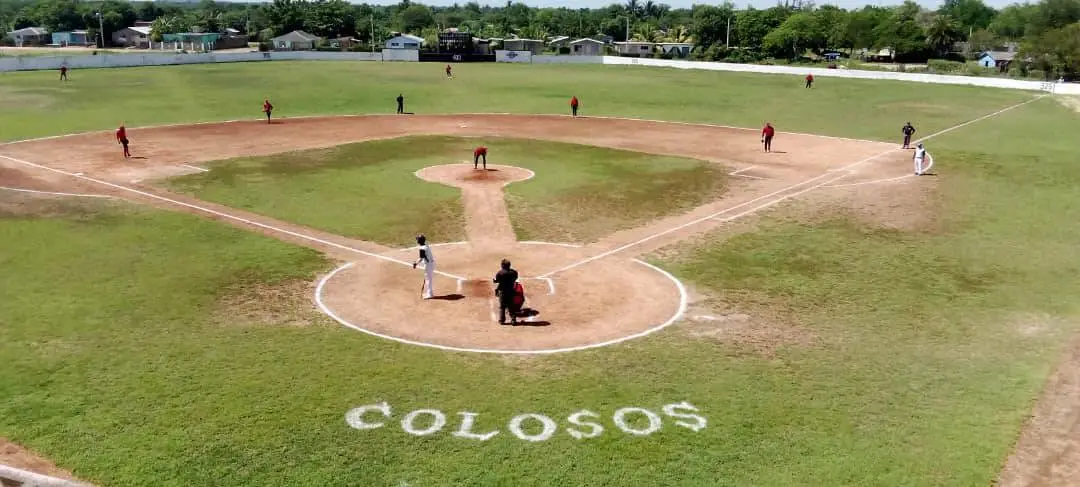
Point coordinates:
[(602, 303)]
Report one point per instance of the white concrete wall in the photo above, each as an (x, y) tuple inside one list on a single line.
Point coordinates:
[(517, 56), (1066, 88), (151, 58), (567, 59), (406, 55)]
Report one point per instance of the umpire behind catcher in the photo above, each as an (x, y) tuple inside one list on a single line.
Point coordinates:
[(504, 289)]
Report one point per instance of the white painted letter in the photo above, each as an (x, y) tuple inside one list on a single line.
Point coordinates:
[(699, 422), (465, 431), (654, 421), (355, 416), (576, 419), (436, 425), (545, 434)]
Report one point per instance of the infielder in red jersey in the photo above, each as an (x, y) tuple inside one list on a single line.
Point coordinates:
[(267, 108), (121, 138), (767, 134), (573, 106), (477, 154)]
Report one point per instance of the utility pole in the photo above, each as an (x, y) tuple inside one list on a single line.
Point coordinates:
[(101, 28), (727, 33), (372, 33), (627, 28)]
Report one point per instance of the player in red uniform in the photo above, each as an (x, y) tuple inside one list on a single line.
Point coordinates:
[(449, 72), (767, 134), (477, 154), (809, 80), (573, 106), (121, 138), (267, 108)]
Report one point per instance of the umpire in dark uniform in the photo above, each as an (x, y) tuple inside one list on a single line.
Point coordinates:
[(400, 104), (504, 289)]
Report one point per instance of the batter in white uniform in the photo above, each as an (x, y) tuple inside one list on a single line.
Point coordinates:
[(429, 266)]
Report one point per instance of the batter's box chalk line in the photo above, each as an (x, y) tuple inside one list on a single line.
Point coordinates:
[(676, 316)]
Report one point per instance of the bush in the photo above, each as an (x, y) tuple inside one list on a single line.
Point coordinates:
[(265, 46), (743, 56), (943, 66)]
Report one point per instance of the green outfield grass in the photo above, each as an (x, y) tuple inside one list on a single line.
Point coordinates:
[(367, 190), (132, 354), (100, 99)]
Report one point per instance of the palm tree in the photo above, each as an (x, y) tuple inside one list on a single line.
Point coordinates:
[(942, 34), (679, 33), (633, 7)]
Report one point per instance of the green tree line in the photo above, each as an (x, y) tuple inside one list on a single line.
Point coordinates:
[(1048, 31)]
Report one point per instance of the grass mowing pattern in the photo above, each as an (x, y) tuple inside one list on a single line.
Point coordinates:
[(100, 99), (368, 190)]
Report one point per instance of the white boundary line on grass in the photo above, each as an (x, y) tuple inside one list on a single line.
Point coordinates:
[(54, 193), (683, 301), (875, 181), (219, 214), (842, 171)]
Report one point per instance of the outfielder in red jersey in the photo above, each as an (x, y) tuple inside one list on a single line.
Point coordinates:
[(267, 108), (121, 138), (767, 134), (477, 154), (449, 72)]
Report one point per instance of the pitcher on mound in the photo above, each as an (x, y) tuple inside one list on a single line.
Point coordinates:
[(426, 292)]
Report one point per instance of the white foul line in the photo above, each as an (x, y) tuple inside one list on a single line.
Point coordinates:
[(189, 166), (24, 190), (221, 214), (876, 181), (747, 168), (841, 171)]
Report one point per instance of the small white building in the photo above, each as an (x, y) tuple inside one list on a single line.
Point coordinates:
[(404, 41), (30, 36), (137, 36), (634, 48), (587, 47), (559, 42)]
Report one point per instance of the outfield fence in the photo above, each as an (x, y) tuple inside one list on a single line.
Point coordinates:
[(30, 63), (1016, 84)]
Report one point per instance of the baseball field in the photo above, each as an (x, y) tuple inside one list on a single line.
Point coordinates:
[(236, 305)]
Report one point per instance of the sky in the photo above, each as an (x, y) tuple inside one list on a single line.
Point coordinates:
[(847, 4)]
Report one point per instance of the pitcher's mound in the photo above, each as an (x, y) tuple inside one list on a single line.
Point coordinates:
[(461, 175), (596, 304)]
